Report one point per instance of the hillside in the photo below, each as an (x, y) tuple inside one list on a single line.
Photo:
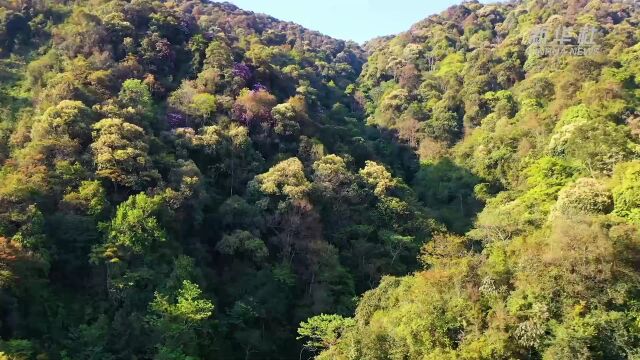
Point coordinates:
[(187, 180), (509, 112), (183, 179)]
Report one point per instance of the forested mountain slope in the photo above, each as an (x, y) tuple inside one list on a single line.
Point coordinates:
[(549, 139), (188, 180)]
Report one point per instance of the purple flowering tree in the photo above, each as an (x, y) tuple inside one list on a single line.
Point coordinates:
[(239, 112), (242, 71), (259, 87), (176, 120)]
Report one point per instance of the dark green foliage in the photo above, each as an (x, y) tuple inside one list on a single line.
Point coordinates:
[(449, 190), (546, 142), (187, 180), (158, 157)]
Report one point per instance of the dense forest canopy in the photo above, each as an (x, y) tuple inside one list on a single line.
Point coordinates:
[(184, 180)]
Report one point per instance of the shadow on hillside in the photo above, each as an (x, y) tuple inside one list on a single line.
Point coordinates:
[(448, 190), (9, 103), (394, 153), (444, 187)]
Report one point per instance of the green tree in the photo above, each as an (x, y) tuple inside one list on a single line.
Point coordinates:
[(597, 143), (135, 227), (178, 318), (286, 122), (90, 198), (243, 242), (323, 331), (218, 55), (136, 101), (379, 178), (121, 153), (285, 182), (70, 119), (203, 105), (626, 191), (585, 196)]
